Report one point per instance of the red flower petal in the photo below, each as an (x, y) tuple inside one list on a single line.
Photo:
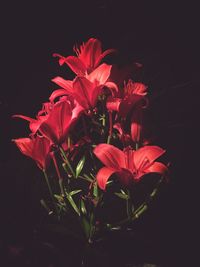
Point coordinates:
[(56, 126), (85, 92), (103, 175), (113, 104), (145, 156), (110, 156), (157, 167), (90, 53), (37, 148), (76, 65), (100, 74), (66, 84)]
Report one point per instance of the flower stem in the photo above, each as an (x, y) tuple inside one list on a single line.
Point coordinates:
[(67, 162), (110, 128), (51, 192), (136, 146)]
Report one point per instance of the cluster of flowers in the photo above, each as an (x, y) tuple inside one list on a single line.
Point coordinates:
[(91, 130)]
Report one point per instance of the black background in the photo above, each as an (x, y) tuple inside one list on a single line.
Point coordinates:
[(161, 36)]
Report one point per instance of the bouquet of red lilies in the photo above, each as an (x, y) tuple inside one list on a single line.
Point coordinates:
[(89, 142)]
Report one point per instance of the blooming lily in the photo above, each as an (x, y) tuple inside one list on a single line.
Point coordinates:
[(129, 165), (132, 99), (60, 121), (85, 89), (132, 93), (38, 148), (89, 56)]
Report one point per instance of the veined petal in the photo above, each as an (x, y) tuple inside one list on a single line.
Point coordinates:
[(100, 74), (54, 128), (157, 167), (128, 153), (37, 148), (90, 53), (83, 90), (25, 145), (103, 175), (76, 65), (94, 95), (110, 156), (66, 84), (145, 156)]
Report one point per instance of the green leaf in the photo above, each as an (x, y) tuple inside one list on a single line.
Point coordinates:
[(59, 198), (86, 226), (80, 166), (122, 196), (73, 204), (95, 190), (74, 192), (86, 177), (154, 192), (83, 208)]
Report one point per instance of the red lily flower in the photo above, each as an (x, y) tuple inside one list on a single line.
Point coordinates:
[(60, 121), (37, 148), (133, 92), (85, 89), (89, 56), (133, 99), (129, 165)]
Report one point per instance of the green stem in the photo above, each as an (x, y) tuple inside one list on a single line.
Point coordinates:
[(48, 184), (50, 191), (110, 128), (108, 139), (67, 162), (62, 187), (136, 146), (142, 208)]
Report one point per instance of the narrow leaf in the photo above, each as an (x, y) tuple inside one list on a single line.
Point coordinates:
[(86, 177), (86, 226), (73, 204), (80, 166), (74, 192), (122, 196), (95, 190), (83, 208)]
